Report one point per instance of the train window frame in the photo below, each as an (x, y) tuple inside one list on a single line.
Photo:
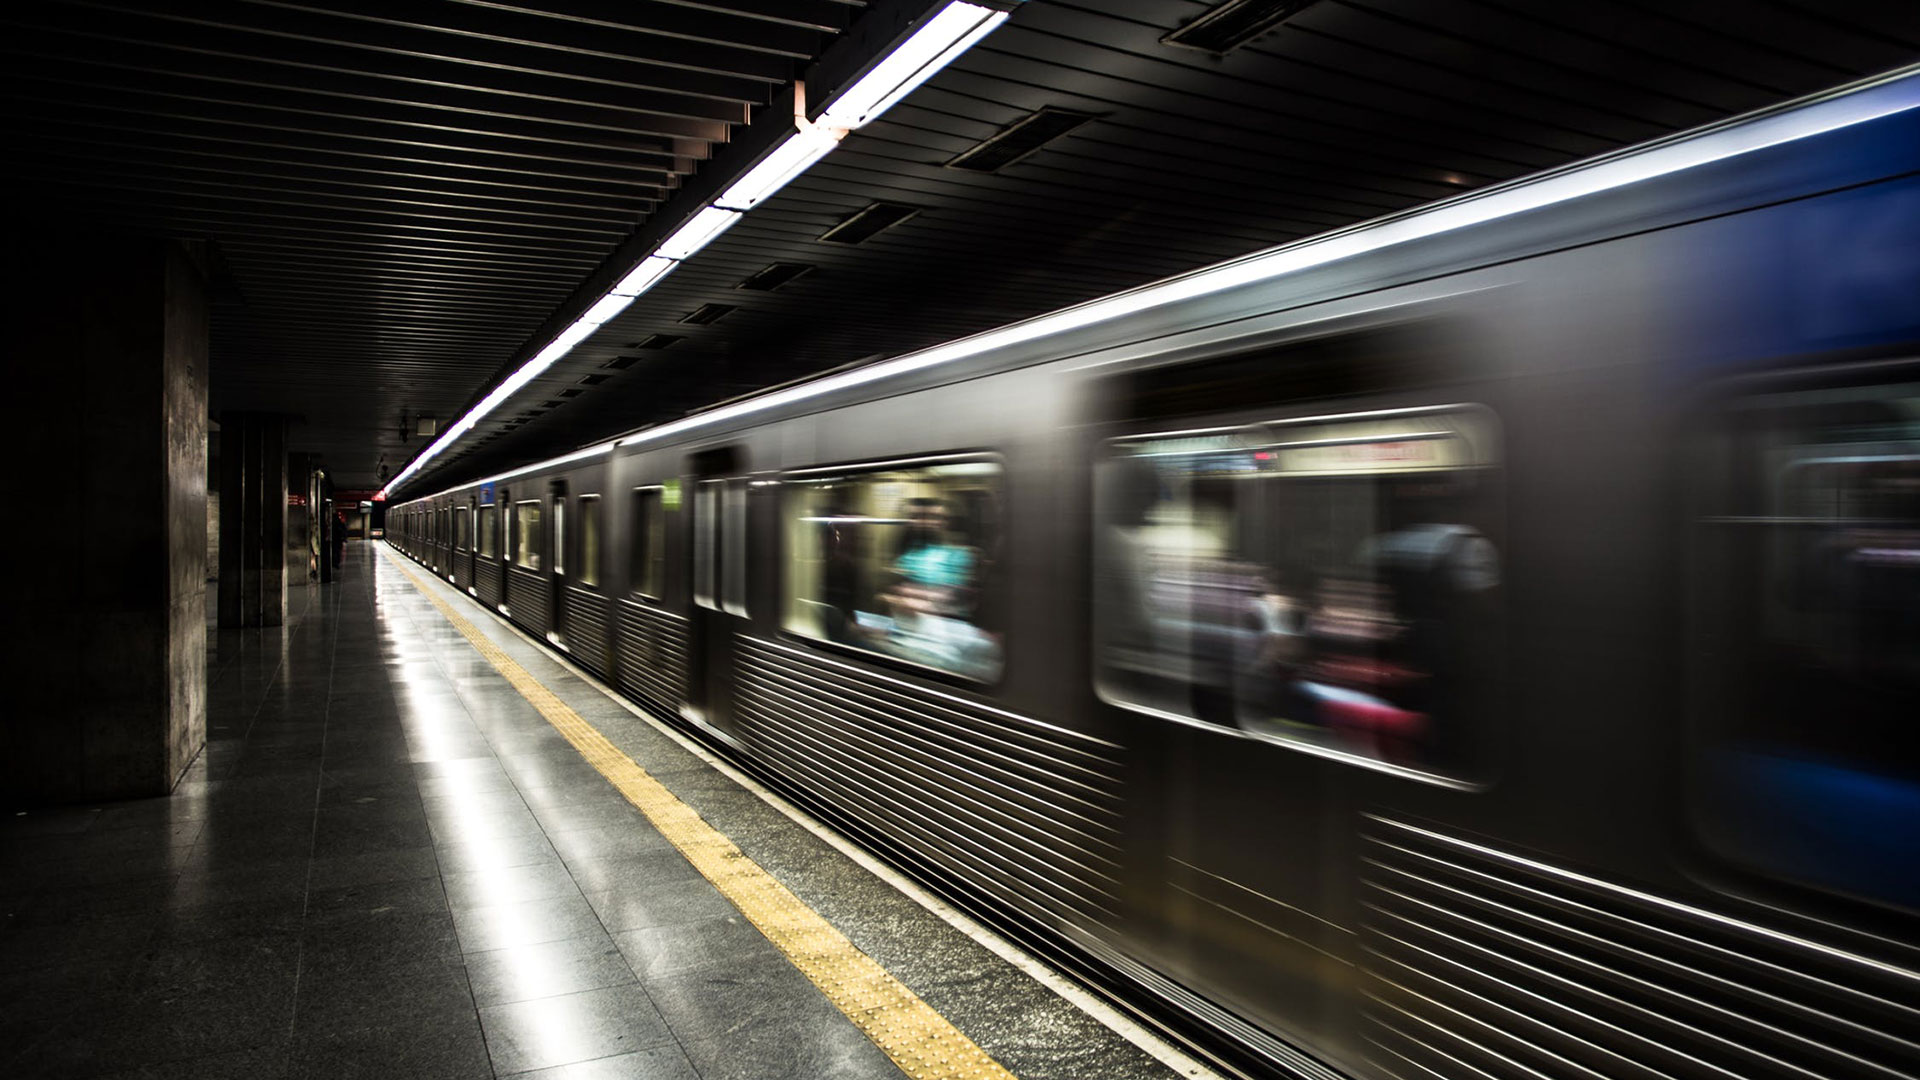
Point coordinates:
[(461, 527), (520, 535), (734, 564), (1265, 434), (788, 479), (648, 552), (707, 496), (591, 542), (560, 538), (1711, 653), (486, 531)]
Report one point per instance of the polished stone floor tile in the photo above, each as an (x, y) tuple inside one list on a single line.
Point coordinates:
[(545, 1032), (666, 903), (631, 872), (789, 1051), (548, 969), (666, 950), (486, 888), (715, 1001), (529, 922), (343, 999), (387, 864), (448, 1049), (659, 1063)]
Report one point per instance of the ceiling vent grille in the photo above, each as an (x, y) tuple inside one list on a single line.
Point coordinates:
[(1026, 135), (707, 314), (1234, 23), (865, 223), (774, 276), (622, 363), (572, 392), (596, 380)]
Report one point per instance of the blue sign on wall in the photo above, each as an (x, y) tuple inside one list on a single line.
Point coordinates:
[(486, 494)]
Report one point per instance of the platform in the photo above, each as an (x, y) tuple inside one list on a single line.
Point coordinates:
[(393, 860)]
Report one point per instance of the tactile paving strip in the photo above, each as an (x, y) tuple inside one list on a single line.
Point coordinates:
[(918, 1039)]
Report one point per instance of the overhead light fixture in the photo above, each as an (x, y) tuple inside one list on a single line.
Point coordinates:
[(641, 277), (697, 233), (930, 47), (610, 305), (788, 160)]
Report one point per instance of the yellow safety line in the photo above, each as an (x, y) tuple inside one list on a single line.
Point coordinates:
[(907, 1029)]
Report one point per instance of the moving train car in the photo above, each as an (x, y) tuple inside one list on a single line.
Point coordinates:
[(1480, 642)]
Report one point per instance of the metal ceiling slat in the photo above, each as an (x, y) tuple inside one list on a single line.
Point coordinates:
[(353, 203), (435, 229), (403, 192), (271, 175), (231, 118), (629, 23), (91, 55), (1094, 157), (1226, 101), (1398, 82), (1304, 137), (1627, 31), (208, 137), (828, 16), (565, 123), (285, 31)]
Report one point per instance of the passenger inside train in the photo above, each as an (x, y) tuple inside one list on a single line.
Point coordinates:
[(1333, 582), (898, 561)]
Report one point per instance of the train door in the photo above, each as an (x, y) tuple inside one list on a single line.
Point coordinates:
[(1295, 615), (509, 545), (561, 563), (472, 560), (718, 571)]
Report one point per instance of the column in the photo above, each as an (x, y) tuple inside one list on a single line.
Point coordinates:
[(105, 623), (253, 520)]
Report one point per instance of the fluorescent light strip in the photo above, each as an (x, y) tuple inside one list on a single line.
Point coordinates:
[(929, 49), (641, 277), (697, 233), (791, 158), (912, 62), (1875, 100), (610, 305)]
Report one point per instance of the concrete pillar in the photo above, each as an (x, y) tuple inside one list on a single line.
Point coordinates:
[(253, 526), (105, 623)]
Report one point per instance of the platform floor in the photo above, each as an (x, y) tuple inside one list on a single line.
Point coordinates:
[(388, 863)]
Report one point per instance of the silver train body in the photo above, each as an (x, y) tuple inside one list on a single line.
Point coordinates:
[(1469, 645)]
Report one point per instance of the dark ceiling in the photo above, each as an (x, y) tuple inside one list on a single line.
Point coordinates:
[(403, 192)]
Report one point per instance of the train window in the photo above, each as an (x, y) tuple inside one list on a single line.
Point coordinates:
[(460, 539), (589, 565), (1332, 583), (648, 570), (488, 526), (1808, 562), (526, 534), (560, 535), (900, 560), (706, 536), (733, 548)]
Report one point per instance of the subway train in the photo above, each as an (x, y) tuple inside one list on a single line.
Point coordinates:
[(1474, 643)]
